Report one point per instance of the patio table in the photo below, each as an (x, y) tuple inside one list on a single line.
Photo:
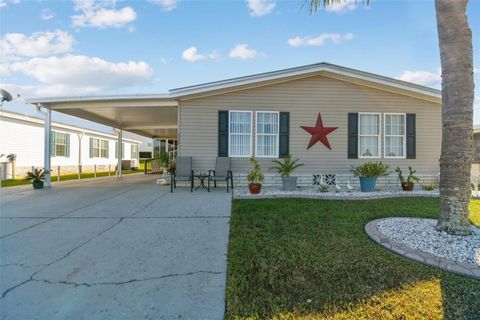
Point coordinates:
[(202, 178)]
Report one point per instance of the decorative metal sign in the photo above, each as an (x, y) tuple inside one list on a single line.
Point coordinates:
[(319, 133)]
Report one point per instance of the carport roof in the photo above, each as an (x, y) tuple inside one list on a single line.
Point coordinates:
[(155, 115)]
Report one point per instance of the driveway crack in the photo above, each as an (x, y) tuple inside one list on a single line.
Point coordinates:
[(116, 283), (31, 278)]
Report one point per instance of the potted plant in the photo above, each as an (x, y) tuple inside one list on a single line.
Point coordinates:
[(368, 174), (255, 177), (407, 184), (285, 168), (165, 159), (36, 176)]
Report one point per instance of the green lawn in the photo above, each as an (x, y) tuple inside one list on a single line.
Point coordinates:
[(310, 259), (19, 182)]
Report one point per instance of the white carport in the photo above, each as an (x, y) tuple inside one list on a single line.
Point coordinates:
[(154, 116)]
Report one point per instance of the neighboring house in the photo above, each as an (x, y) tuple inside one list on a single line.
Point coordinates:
[(476, 148), (72, 147), (367, 117)]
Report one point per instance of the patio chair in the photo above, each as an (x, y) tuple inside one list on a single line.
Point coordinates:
[(183, 172), (222, 172)]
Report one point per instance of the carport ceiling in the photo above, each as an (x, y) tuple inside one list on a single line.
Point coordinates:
[(152, 117)]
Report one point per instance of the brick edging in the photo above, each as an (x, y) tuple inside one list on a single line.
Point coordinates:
[(461, 268)]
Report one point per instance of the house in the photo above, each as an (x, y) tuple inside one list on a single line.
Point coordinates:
[(476, 148), (73, 148), (330, 117)]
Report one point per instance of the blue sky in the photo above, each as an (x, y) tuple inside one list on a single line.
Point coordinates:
[(58, 48)]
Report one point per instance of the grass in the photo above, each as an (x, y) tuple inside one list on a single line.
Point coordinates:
[(310, 259), (19, 182)]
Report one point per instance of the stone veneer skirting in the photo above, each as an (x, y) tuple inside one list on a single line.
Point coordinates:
[(420, 256)]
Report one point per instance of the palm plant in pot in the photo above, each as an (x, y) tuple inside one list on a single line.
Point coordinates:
[(36, 176), (255, 177), (408, 183), (285, 168), (368, 174)]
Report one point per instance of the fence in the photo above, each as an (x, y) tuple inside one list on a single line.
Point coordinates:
[(57, 172)]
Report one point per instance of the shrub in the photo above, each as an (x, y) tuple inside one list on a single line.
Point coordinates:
[(287, 166), (371, 169)]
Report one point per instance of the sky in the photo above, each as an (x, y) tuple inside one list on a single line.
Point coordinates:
[(85, 48)]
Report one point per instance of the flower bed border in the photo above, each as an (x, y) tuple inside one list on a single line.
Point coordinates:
[(462, 268)]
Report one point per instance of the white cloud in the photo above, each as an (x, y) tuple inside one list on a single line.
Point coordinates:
[(3, 3), (167, 5), (426, 78), (241, 51), (101, 14), (191, 55), (476, 70), (341, 6), (74, 74), (47, 14), (260, 8), (320, 40), (38, 44)]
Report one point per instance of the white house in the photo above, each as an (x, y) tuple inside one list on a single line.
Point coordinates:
[(73, 148)]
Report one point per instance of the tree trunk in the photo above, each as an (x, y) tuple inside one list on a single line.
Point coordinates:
[(456, 55)]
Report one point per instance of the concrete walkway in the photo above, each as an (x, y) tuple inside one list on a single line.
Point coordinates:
[(109, 249)]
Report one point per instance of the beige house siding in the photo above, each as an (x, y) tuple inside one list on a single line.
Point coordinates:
[(304, 99), (476, 148)]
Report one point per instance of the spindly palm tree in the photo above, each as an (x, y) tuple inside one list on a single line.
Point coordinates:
[(456, 56)]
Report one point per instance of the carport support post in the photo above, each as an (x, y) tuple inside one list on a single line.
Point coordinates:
[(46, 150), (119, 154)]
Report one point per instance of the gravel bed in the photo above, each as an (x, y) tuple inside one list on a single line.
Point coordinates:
[(420, 234), (314, 192)]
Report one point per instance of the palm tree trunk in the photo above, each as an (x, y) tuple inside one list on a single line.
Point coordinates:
[(456, 55)]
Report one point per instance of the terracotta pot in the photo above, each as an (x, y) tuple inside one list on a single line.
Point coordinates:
[(408, 186), (255, 188)]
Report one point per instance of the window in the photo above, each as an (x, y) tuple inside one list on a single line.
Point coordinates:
[(394, 140), (60, 144), (116, 150), (240, 134), (369, 135), (98, 148), (267, 134), (133, 151)]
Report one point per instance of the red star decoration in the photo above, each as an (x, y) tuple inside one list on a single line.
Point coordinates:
[(319, 133)]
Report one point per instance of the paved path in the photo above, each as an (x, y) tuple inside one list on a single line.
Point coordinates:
[(104, 249)]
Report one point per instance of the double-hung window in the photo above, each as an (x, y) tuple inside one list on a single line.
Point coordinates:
[(394, 136), (266, 141), (98, 148), (240, 134), (60, 144), (369, 135), (133, 151)]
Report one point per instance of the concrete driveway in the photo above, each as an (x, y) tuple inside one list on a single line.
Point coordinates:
[(109, 249)]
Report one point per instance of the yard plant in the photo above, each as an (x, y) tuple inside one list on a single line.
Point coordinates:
[(311, 259), (255, 176), (37, 176), (287, 166), (371, 170), (408, 183)]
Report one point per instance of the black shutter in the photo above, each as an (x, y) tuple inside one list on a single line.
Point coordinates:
[(222, 133), (353, 136), (284, 135), (411, 136)]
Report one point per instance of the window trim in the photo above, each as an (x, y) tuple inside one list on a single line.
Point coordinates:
[(100, 148), (230, 134), (54, 155), (404, 135), (132, 146), (360, 156), (278, 135)]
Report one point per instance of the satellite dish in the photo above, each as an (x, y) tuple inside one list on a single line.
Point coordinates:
[(4, 96)]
